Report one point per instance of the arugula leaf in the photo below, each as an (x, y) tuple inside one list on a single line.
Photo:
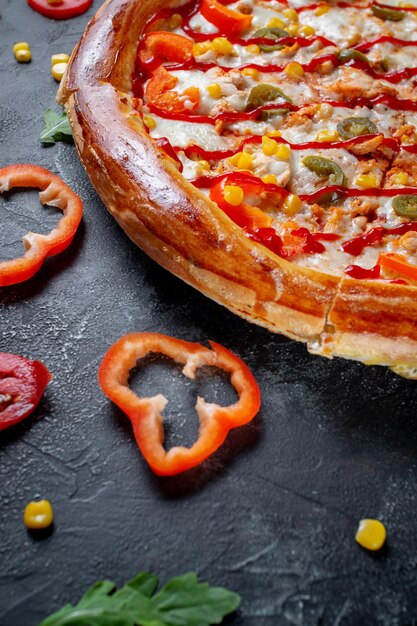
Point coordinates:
[(57, 127), (183, 601)]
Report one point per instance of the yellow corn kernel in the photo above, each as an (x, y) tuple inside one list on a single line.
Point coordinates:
[(400, 179), (274, 133), (269, 146), (61, 57), (291, 14), (38, 514), (294, 69), (20, 45), (175, 20), (58, 70), (371, 534), (241, 160), (214, 90), (366, 180), (250, 71), (201, 48), (270, 179), (149, 121), (275, 22), (292, 204), (205, 165), (307, 30), (221, 45), (233, 194), (23, 56), (327, 135), (283, 152), (253, 49), (322, 9), (292, 29)]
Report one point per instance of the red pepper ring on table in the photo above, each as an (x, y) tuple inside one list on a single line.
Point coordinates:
[(22, 383), (54, 192), (61, 11), (146, 413)]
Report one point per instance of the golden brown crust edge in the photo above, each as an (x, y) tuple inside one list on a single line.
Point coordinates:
[(176, 225)]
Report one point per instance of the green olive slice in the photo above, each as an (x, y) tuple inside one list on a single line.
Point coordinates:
[(271, 33), (262, 94), (390, 15), (354, 126), (352, 55), (405, 206)]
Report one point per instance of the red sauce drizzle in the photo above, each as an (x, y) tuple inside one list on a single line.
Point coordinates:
[(356, 271)]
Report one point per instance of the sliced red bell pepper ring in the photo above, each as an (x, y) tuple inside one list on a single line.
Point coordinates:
[(54, 192), (22, 383), (397, 263), (228, 21), (145, 413), (62, 11)]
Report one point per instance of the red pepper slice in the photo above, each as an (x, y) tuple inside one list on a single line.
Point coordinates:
[(54, 192), (61, 11), (160, 46), (397, 263), (158, 91), (227, 21), (22, 383), (145, 413)]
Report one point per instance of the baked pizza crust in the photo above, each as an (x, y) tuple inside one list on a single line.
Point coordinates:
[(188, 234)]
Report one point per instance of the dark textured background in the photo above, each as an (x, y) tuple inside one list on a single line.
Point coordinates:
[(273, 515)]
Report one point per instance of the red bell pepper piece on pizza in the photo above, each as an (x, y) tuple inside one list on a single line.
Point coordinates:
[(146, 413), (60, 10), (54, 192), (159, 92), (22, 383), (163, 46), (398, 264), (227, 20)]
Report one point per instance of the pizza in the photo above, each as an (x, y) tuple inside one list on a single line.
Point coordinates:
[(264, 152)]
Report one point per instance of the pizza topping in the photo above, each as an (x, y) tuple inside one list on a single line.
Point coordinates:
[(264, 93), (22, 383), (273, 34), (387, 14), (355, 126), (405, 206), (146, 413), (62, 10), (54, 192), (398, 264), (226, 19)]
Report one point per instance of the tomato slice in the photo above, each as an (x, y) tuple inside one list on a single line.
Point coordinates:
[(22, 383), (62, 11)]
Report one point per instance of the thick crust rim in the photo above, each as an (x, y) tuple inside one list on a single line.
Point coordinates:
[(176, 225)]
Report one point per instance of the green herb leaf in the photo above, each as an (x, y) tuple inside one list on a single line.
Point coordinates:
[(181, 602), (57, 127)]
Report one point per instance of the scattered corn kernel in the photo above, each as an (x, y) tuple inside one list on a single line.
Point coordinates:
[(292, 204), (291, 14), (269, 146), (58, 70), (214, 90), (201, 48), (400, 179), (371, 534), (61, 57), (233, 194), (253, 49), (307, 30), (327, 135), (366, 180), (38, 514), (175, 20), (221, 45), (250, 71), (294, 69), (283, 152), (205, 165), (20, 45), (149, 121), (23, 56), (270, 179), (292, 28), (275, 22), (322, 9)]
